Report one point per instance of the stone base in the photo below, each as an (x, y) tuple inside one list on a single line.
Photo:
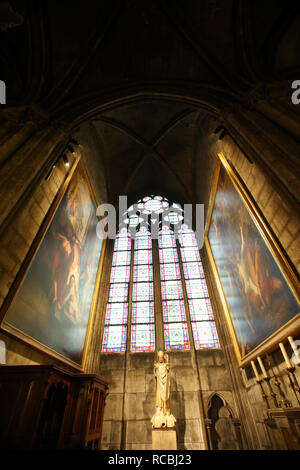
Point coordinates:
[(164, 439), (159, 421)]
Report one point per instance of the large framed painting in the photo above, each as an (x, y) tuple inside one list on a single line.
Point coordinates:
[(258, 287), (51, 304)]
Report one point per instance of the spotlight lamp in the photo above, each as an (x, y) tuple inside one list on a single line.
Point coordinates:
[(70, 148), (66, 162)]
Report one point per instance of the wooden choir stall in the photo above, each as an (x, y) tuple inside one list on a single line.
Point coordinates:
[(45, 407)]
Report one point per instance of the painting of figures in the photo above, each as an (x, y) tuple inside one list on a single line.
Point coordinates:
[(53, 303), (257, 294)]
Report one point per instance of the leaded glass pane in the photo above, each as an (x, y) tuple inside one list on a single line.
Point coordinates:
[(142, 291), (200, 309), (193, 270), (173, 218), (116, 314), (173, 311), (142, 312), (120, 274), (121, 258), (142, 243), (205, 335), (142, 272), (176, 336), (114, 340), (118, 293), (190, 254), (169, 271), (168, 255), (185, 229), (152, 205), (187, 239), (196, 288), (142, 338), (171, 290), (122, 244), (142, 257), (166, 240)]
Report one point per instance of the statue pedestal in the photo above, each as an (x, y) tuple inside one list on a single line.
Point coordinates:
[(164, 439)]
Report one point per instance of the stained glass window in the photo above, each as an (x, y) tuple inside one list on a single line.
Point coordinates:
[(205, 335), (143, 328), (171, 290), (202, 320), (200, 309), (196, 288), (173, 311), (142, 257), (122, 244), (114, 339), (174, 316), (121, 258), (166, 239), (142, 291), (173, 218), (183, 289), (142, 243), (115, 330), (116, 313), (143, 312), (142, 273), (169, 271), (142, 337), (190, 253), (187, 238), (193, 270), (176, 336), (120, 274), (168, 255), (153, 204), (118, 292)]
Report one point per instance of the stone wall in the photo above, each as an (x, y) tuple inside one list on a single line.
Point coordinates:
[(280, 215), (131, 401), (27, 150), (260, 406)]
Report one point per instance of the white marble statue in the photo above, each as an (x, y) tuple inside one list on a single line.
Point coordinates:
[(163, 417)]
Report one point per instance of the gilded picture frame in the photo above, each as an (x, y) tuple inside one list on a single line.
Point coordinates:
[(287, 277), (24, 273)]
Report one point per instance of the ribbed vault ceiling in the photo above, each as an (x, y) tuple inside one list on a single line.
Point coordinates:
[(135, 79)]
